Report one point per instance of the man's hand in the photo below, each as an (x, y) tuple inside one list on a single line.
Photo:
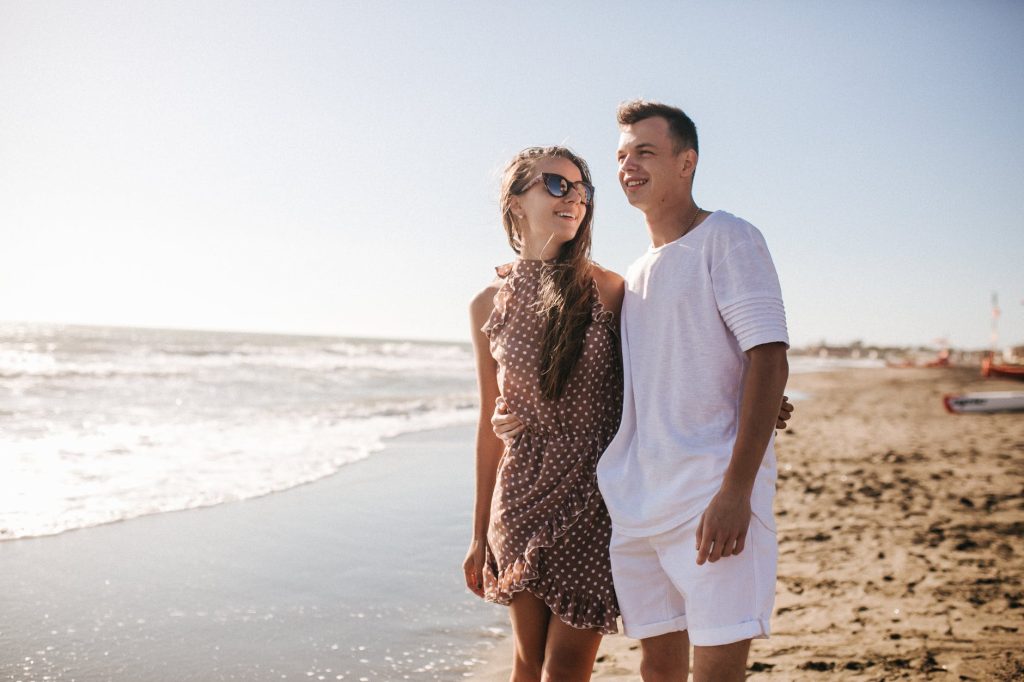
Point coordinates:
[(785, 412), (723, 527), (506, 426)]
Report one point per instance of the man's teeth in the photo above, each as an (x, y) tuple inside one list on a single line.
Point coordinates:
[(635, 183)]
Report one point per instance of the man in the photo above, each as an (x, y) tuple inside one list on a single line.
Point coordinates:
[(689, 479)]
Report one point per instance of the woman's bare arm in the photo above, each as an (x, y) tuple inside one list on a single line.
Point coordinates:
[(489, 447)]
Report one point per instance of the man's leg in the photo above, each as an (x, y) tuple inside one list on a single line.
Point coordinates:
[(651, 605), (728, 602), (666, 658), (725, 663)]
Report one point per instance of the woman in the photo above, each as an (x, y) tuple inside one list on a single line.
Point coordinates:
[(545, 340), (545, 336)]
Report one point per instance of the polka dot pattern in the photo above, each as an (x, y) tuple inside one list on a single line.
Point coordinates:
[(549, 528)]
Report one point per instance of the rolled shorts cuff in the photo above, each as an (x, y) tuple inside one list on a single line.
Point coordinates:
[(648, 630), (752, 629)]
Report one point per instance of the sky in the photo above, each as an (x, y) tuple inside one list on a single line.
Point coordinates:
[(333, 167)]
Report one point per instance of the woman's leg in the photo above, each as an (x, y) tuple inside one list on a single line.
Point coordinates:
[(530, 618), (570, 652)]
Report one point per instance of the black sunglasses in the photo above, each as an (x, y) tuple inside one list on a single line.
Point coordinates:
[(557, 186)]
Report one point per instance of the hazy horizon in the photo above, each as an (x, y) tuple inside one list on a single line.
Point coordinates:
[(867, 343)]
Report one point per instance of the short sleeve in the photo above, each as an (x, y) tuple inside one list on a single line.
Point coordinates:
[(748, 294)]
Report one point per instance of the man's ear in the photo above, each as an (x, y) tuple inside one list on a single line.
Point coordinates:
[(687, 163)]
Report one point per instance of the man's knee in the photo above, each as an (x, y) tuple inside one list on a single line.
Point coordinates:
[(723, 663), (665, 658), (662, 671), (666, 669)]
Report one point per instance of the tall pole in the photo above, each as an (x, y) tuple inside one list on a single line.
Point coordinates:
[(995, 324)]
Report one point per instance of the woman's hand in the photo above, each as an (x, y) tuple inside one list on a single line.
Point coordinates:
[(785, 412), (473, 568), (506, 426)]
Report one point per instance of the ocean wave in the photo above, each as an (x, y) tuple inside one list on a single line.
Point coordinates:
[(102, 424), (67, 479), (170, 362)]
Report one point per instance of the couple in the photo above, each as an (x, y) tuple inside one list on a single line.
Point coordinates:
[(668, 420)]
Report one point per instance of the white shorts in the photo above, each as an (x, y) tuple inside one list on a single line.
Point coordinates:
[(661, 588)]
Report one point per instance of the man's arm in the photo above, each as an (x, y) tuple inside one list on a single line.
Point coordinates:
[(723, 527)]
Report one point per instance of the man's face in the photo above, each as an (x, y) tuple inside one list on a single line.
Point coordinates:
[(650, 172)]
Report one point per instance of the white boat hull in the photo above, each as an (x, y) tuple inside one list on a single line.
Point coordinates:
[(995, 401)]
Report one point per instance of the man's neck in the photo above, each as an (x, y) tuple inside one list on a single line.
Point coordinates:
[(669, 222)]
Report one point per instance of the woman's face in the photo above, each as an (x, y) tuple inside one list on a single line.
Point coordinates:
[(549, 220)]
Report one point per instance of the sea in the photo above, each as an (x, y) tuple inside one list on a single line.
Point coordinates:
[(102, 424)]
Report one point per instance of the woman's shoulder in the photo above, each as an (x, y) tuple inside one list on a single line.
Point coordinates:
[(603, 275), (611, 287), (482, 304)]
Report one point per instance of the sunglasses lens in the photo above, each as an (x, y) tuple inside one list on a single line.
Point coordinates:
[(585, 191), (558, 186)]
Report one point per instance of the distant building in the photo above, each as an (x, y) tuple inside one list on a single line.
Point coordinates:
[(902, 356)]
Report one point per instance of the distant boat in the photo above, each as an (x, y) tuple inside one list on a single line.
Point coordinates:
[(994, 401), (992, 369)]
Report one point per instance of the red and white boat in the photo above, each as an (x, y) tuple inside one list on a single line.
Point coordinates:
[(992, 369)]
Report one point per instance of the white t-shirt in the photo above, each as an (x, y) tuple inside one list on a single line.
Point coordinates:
[(691, 310)]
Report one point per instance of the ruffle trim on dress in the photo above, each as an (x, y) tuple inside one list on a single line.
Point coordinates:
[(497, 318), (598, 312), (575, 609)]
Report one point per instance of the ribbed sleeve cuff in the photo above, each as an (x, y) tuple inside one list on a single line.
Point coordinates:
[(758, 320)]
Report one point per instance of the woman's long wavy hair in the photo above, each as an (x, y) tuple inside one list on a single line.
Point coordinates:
[(565, 288)]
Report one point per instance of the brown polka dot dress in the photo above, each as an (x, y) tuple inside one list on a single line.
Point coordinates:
[(549, 528)]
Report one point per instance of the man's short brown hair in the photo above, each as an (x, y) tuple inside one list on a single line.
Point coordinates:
[(681, 127)]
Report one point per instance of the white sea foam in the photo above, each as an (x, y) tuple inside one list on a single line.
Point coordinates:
[(385, 357), (66, 479), (100, 425)]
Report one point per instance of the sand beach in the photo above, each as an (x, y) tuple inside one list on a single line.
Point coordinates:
[(901, 536)]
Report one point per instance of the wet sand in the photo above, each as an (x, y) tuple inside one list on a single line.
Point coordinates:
[(901, 537)]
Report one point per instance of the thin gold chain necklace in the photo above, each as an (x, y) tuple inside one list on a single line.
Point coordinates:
[(693, 221)]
